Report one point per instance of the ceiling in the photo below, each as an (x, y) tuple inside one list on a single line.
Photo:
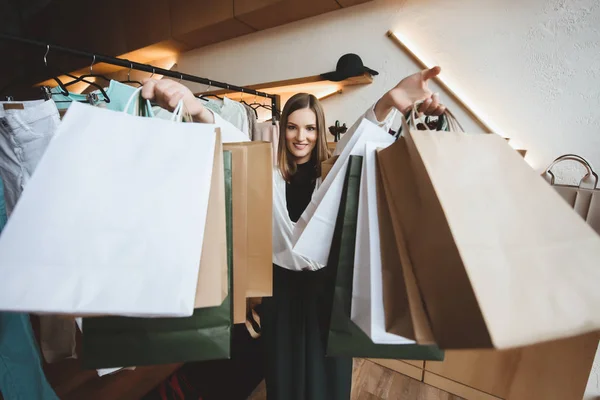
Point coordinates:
[(139, 30)]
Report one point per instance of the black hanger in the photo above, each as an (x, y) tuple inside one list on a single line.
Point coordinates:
[(129, 76), (206, 96), (244, 102), (63, 87), (90, 75), (94, 84)]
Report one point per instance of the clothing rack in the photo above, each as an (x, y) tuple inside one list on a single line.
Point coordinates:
[(142, 67)]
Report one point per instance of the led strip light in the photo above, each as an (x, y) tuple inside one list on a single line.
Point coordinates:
[(445, 83)]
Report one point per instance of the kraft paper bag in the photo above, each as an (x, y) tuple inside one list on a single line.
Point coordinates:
[(252, 176), (585, 198), (500, 258), (345, 338), (212, 284), (110, 342), (113, 218), (314, 230), (367, 294)]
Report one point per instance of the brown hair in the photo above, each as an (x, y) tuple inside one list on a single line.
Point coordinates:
[(285, 161)]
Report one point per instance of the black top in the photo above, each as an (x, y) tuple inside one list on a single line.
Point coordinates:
[(299, 190)]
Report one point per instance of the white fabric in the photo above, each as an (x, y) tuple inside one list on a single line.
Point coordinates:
[(367, 288), (235, 113), (314, 230), (112, 219), (386, 125), (283, 228)]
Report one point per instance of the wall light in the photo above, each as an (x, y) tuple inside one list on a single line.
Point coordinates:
[(446, 83)]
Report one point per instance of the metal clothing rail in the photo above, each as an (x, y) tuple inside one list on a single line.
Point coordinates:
[(143, 67)]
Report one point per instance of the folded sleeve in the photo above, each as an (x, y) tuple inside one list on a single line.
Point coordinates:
[(386, 125)]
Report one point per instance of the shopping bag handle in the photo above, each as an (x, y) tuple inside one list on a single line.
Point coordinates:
[(409, 122), (177, 113), (453, 124), (577, 158)]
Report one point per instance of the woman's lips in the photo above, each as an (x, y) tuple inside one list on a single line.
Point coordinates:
[(300, 146)]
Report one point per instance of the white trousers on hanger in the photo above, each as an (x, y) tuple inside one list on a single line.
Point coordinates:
[(26, 128), (24, 135)]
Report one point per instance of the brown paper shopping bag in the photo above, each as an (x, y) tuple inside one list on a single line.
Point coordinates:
[(252, 192), (212, 276), (584, 198), (500, 259)]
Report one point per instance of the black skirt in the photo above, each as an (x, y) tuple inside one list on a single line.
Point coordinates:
[(295, 323)]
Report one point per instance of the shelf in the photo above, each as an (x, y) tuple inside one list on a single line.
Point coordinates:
[(311, 84)]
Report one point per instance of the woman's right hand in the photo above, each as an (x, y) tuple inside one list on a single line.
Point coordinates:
[(410, 90), (167, 94)]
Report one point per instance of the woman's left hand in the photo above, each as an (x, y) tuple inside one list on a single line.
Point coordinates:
[(410, 90)]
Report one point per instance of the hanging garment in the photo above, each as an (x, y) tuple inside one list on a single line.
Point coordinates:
[(26, 128), (251, 114), (117, 92), (267, 132), (25, 131), (230, 111), (63, 102), (21, 375), (214, 105), (235, 113)]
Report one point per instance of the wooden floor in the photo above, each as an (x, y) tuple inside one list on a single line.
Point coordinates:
[(374, 382)]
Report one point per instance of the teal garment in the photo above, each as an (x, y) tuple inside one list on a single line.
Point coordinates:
[(63, 102), (21, 374), (118, 93)]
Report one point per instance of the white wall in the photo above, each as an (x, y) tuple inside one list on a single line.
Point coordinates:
[(532, 66)]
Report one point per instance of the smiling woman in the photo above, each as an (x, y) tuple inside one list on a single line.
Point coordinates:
[(302, 131)]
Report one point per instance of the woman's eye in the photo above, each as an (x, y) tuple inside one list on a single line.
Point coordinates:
[(311, 128), (291, 127)]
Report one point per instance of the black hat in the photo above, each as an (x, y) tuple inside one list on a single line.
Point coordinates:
[(348, 65)]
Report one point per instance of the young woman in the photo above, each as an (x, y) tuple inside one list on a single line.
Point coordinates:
[(294, 319)]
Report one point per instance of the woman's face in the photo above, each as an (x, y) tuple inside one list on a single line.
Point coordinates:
[(301, 134)]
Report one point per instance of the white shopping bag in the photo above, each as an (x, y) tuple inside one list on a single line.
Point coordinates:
[(367, 288), (112, 221), (314, 230)]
